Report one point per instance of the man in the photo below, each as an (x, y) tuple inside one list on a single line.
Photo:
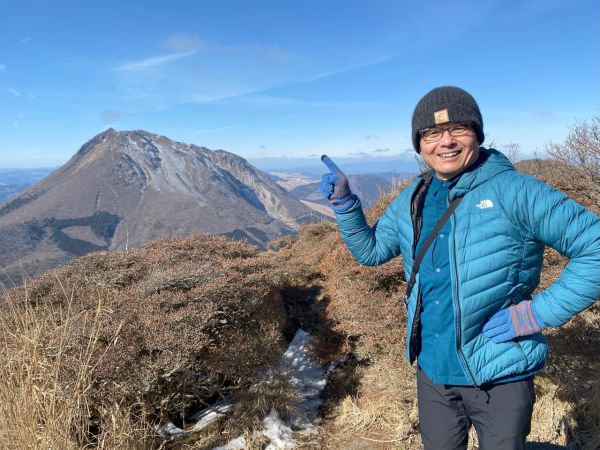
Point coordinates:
[(473, 327)]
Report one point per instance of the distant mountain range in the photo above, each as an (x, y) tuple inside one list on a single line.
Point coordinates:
[(368, 187), (122, 189), (350, 165), (13, 181)]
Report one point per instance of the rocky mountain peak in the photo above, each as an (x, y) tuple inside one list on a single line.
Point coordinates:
[(124, 188)]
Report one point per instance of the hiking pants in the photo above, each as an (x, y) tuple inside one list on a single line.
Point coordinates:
[(500, 413)]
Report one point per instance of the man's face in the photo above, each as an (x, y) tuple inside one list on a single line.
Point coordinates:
[(450, 155)]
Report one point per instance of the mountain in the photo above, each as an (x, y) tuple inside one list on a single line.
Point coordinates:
[(122, 189)]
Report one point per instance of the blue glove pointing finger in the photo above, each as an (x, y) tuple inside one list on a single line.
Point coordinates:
[(330, 164), (334, 186)]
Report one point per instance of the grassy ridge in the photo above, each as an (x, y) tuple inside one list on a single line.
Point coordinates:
[(97, 352)]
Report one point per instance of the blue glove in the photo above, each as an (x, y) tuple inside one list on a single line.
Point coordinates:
[(334, 186), (514, 321)]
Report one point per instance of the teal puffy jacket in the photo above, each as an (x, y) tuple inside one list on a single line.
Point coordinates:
[(496, 246)]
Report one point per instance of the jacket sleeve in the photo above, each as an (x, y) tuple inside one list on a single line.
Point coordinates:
[(370, 246), (551, 217)]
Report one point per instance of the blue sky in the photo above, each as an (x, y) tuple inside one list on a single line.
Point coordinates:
[(290, 79)]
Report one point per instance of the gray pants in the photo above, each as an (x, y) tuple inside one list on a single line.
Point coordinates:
[(501, 414)]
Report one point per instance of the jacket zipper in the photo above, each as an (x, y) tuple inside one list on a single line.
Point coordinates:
[(457, 306), (416, 226)]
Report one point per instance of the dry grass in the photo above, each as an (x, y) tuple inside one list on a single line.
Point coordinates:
[(147, 335), (96, 351), (39, 409)]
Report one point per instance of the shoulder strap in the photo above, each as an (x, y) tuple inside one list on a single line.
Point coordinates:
[(421, 255)]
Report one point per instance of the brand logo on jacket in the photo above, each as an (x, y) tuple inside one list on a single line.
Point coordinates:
[(484, 204)]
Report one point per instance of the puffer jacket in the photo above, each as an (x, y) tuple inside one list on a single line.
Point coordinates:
[(496, 246)]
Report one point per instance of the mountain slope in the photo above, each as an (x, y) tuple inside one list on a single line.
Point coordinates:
[(122, 189)]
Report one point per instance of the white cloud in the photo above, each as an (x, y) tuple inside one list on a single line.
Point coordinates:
[(13, 92), (152, 62), (257, 99)]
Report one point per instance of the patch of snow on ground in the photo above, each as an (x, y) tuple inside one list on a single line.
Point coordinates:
[(204, 418), (308, 379), (236, 444), (278, 432)]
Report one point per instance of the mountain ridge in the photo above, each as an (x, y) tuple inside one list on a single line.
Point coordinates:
[(124, 188)]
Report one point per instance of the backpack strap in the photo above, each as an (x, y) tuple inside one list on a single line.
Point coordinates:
[(421, 255)]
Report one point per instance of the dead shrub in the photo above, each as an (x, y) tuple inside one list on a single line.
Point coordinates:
[(183, 321), (580, 154)]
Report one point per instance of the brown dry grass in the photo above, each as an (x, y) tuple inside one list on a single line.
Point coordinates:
[(128, 335), (96, 350), (39, 408)]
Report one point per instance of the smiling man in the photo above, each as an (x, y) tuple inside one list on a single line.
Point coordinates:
[(471, 232)]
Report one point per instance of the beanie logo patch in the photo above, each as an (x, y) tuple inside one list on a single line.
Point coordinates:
[(441, 116)]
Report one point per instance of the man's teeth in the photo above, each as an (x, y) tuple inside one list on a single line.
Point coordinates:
[(449, 155)]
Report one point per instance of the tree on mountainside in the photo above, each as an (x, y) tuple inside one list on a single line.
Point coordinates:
[(581, 153)]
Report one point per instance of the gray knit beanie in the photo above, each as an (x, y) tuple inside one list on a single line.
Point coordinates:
[(446, 104)]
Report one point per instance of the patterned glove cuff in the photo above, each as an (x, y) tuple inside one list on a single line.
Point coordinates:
[(345, 203), (524, 319)]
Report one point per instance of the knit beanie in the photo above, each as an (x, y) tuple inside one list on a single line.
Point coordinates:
[(446, 104)]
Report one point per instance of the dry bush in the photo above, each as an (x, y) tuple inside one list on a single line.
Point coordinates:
[(297, 260), (39, 408), (580, 152), (183, 322)]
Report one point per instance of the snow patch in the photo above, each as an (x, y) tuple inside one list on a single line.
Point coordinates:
[(307, 378), (236, 444)]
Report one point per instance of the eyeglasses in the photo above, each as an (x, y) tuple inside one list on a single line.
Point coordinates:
[(431, 135)]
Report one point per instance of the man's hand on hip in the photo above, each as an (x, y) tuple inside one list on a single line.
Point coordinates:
[(514, 321), (334, 186)]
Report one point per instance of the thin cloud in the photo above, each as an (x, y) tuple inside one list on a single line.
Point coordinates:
[(361, 65), (256, 99), (2, 68), (25, 40), (181, 45), (13, 92), (154, 61), (381, 150)]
